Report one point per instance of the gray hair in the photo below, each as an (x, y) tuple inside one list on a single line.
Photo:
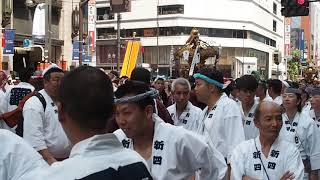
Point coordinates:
[(181, 81)]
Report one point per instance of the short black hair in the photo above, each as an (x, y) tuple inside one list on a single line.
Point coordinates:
[(135, 88), (275, 85), (47, 75), (25, 74), (87, 97), (141, 74), (247, 82), (212, 74)]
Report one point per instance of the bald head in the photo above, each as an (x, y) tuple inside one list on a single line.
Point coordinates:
[(265, 107)]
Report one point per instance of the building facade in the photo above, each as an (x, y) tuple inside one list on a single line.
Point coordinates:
[(22, 19), (244, 29)]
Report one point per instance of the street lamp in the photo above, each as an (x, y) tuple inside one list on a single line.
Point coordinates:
[(243, 49)]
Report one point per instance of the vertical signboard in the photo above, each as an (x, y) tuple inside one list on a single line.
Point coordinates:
[(287, 37), (9, 41), (92, 24), (301, 44), (75, 51)]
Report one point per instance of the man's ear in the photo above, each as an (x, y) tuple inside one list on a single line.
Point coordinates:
[(61, 113), (149, 111)]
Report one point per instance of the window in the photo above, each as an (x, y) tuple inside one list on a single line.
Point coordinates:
[(274, 8), (171, 9), (104, 14), (274, 26)]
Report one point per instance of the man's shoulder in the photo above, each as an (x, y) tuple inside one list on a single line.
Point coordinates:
[(34, 102), (111, 165), (171, 108)]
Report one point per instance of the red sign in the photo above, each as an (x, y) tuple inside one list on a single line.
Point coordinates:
[(92, 40), (287, 49), (3, 39)]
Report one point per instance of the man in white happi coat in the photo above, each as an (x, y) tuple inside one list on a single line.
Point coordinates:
[(299, 129), (41, 127), (315, 104), (86, 104), (274, 90), (183, 112), (15, 94), (247, 86), (17, 158), (267, 156), (261, 93), (171, 152), (221, 119)]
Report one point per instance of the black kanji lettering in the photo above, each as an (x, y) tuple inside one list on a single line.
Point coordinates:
[(256, 155), (125, 143), (158, 145), (275, 153), (271, 165), (157, 160), (257, 167)]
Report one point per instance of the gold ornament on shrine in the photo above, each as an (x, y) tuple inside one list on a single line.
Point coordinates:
[(195, 52)]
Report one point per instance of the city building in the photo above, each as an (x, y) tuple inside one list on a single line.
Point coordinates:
[(22, 20), (305, 34), (244, 29)]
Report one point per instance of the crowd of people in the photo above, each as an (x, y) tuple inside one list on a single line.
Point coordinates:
[(90, 125)]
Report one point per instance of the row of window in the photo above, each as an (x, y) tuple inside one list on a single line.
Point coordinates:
[(110, 33), (106, 14)]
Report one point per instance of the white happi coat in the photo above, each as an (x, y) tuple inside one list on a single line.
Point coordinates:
[(250, 130), (302, 132), (99, 157), (189, 119), (178, 153), (42, 129), (313, 117), (17, 158), (248, 160), (278, 100), (222, 126)]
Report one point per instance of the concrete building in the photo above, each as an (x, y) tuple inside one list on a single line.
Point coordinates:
[(245, 29), (22, 21), (305, 34)]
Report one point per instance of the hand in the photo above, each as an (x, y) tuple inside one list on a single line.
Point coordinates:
[(288, 175), (247, 178)]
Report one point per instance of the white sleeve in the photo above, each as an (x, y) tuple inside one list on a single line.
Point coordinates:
[(314, 143), (233, 129), (195, 154), (295, 164), (33, 130), (21, 158), (237, 163)]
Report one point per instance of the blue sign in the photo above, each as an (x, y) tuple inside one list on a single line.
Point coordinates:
[(26, 43), (9, 37), (86, 58), (75, 50), (301, 44)]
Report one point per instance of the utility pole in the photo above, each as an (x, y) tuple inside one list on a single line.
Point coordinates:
[(118, 41), (243, 50), (48, 21), (158, 48), (81, 4)]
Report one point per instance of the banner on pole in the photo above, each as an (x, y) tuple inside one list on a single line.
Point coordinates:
[(76, 50), (9, 41)]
